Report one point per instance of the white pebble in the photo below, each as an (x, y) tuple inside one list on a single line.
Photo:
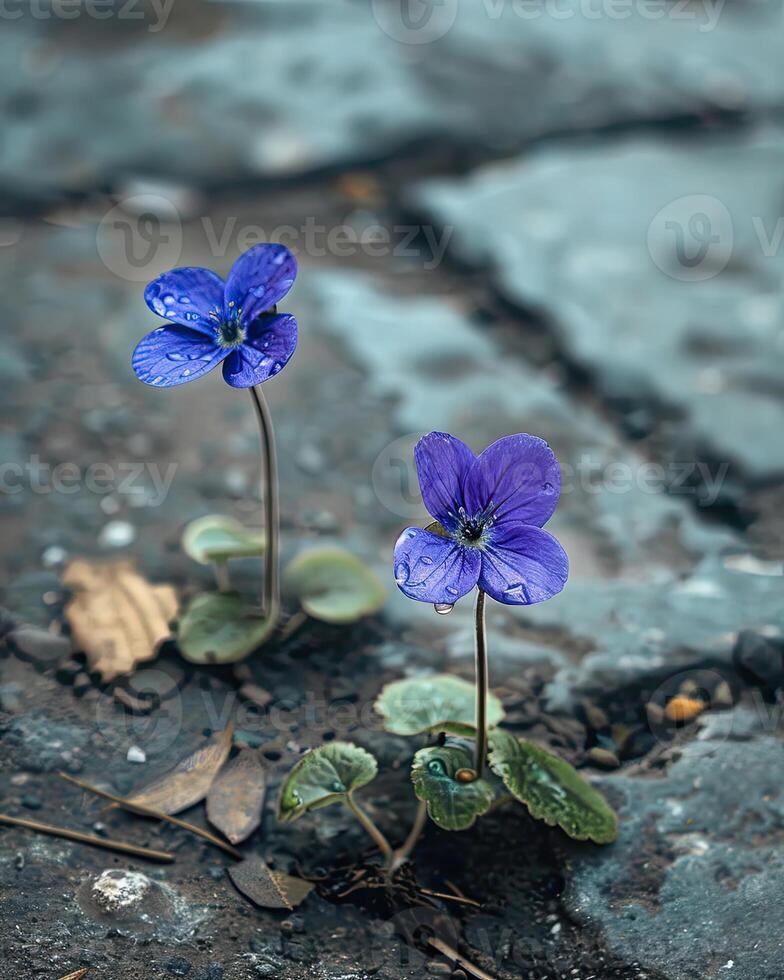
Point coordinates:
[(135, 754)]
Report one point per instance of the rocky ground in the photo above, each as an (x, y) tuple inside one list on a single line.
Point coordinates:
[(570, 229)]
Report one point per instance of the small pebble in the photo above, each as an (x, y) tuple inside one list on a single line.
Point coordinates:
[(31, 801), (722, 696), (256, 694), (595, 717), (438, 969), (682, 709), (81, 684), (39, 646), (603, 758), (117, 534), (53, 556), (178, 967), (135, 754), (655, 714)]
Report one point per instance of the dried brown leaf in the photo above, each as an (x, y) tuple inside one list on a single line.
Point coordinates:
[(267, 888), (236, 797), (117, 618), (190, 780)]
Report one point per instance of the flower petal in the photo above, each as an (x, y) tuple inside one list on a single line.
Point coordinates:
[(432, 568), (522, 564), (271, 342), (443, 464), (173, 355), (187, 296), (259, 279), (520, 476)]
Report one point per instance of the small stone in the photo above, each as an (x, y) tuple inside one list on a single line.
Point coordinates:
[(213, 971), (722, 696), (655, 714), (117, 534), (603, 758), (595, 717), (759, 658), (118, 889), (256, 694), (53, 556), (438, 968), (682, 709), (39, 646), (690, 688), (135, 754), (32, 801), (160, 682), (178, 967)]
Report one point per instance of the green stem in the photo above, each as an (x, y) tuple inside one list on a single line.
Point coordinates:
[(481, 683), (378, 838), (269, 469), (403, 853)]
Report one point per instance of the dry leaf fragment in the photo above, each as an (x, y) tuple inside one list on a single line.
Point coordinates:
[(117, 618), (190, 780), (267, 888), (236, 797), (683, 709)]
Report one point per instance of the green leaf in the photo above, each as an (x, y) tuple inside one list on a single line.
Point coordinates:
[(552, 790), (221, 628), (334, 585), (440, 703), (451, 804), (216, 539), (324, 776)]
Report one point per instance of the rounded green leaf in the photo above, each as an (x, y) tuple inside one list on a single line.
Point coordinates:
[(323, 776), (451, 804), (215, 539), (334, 585), (552, 790), (221, 628), (440, 703)]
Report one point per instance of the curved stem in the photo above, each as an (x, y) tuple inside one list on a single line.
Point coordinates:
[(481, 682), (403, 853), (269, 474), (378, 838)]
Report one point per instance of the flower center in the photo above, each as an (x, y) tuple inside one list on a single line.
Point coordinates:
[(472, 530), (229, 328)]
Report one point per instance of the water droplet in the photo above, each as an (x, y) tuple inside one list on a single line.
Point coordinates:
[(444, 608), (157, 380), (426, 560), (402, 573), (277, 367), (451, 590), (548, 488), (266, 344), (337, 787), (175, 356), (185, 299), (186, 372), (436, 767), (168, 300)]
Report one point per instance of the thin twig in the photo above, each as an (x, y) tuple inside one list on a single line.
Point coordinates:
[(446, 950), (75, 835), (451, 898), (76, 976), (146, 811), (295, 621)]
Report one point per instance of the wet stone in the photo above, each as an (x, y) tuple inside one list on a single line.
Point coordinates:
[(693, 880), (759, 659), (581, 234)]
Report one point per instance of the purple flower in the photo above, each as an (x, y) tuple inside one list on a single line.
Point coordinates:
[(235, 323), (489, 512)]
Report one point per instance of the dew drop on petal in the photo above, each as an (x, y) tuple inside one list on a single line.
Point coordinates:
[(426, 560), (175, 356), (451, 590), (168, 300), (185, 299), (548, 488), (518, 591), (444, 608), (402, 573)]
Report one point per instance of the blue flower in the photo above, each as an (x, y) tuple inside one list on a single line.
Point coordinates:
[(235, 323), (489, 512)]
